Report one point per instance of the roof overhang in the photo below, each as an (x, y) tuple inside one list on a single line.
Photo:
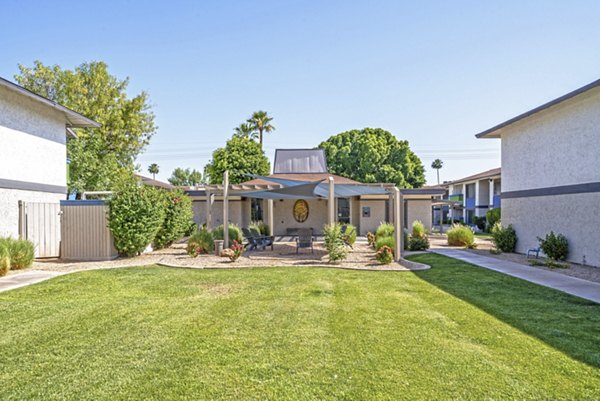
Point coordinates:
[(73, 119), (495, 132)]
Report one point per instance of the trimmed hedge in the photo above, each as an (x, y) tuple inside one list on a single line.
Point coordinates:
[(135, 215), (178, 217), (235, 233)]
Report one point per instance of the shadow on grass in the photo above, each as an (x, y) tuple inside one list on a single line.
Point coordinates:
[(565, 322)]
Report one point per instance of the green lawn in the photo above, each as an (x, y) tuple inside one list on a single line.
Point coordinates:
[(153, 333)]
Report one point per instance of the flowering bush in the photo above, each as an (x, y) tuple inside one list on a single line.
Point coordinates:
[(200, 242), (233, 252), (371, 238), (385, 255)]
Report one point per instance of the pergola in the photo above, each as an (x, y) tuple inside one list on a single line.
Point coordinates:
[(293, 189)]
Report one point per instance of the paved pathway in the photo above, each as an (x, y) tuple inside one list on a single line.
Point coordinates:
[(22, 279), (571, 285)]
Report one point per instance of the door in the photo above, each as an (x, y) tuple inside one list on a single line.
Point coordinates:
[(343, 210), (40, 224)]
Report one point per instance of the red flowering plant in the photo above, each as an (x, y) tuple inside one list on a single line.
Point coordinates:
[(234, 251), (385, 255)]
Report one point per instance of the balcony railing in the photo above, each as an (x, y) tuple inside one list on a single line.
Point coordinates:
[(456, 197)]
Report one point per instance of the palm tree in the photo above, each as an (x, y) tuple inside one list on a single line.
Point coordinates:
[(437, 164), (245, 130), (153, 169), (261, 122)]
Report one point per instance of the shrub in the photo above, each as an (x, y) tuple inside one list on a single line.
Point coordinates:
[(504, 238), (261, 227), (178, 215), (556, 247), (385, 241), (493, 216), (459, 235), (135, 215), (385, 255), (21, 253), (480, 222), (418, 243), (350, 234), (200, 242), (234, 252), (4, 260), (334, 243), (235, 233), (385, 230), (418, 229), (371, 238)]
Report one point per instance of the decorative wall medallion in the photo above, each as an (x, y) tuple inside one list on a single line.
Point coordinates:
[(301, 210)]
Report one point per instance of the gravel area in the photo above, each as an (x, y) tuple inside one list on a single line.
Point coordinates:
[(484, 246), (361, 257)]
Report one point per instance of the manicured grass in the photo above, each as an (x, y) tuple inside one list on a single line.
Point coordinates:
[(452, 332)]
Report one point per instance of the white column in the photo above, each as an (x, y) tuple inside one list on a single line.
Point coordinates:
[(464, 192), (208, 209), (226, 209), (491, 204), (331, 202), (398, 230), (476, 197), (270, 216)]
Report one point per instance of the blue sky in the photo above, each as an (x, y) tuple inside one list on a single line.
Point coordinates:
[(433, 73)]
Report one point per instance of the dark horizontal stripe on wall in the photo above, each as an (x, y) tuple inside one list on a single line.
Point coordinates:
[(550, 191), (482, 207), (32, 186)]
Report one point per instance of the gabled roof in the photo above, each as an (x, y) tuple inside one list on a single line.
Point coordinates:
[(486, 174), (299, 161), (73, 119), (492, 132)]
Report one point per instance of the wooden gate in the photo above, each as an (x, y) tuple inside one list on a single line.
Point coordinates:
[(39, 222)]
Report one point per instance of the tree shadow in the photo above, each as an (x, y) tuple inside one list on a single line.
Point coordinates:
[(565, 322)]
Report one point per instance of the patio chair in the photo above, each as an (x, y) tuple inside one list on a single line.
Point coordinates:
[(533, 251), (252, 241), (304, 240), (265, 240)]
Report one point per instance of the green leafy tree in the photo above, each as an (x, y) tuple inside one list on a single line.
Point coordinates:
[(245, 130), (153, 169), (437, 164), (185, 177), (261, 122), (373, 155), (100, 158), (239, 156)]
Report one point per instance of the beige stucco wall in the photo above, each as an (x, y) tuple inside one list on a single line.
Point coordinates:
[(283, 216), (418, 210), (370, 224), (575, 216), (235, 213)]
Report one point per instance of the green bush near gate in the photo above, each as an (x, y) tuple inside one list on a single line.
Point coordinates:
[(555, 246), (178, 217), (504, 238), (136, 214), (20, 252)]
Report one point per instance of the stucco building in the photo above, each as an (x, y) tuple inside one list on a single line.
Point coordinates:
[(550, 173), (365, 210), (33, 162)]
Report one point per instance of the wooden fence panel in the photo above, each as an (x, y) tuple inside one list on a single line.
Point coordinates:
[(40, 224)]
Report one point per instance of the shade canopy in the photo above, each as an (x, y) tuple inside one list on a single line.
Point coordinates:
[(292, 189)]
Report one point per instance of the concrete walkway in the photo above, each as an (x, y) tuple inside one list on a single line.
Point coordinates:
[(571, 285), (22, 279)]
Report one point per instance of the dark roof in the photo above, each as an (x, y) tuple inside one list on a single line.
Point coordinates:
[(310, 177), (74, 119), (422, 191), (583, 89), (489, 173)]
